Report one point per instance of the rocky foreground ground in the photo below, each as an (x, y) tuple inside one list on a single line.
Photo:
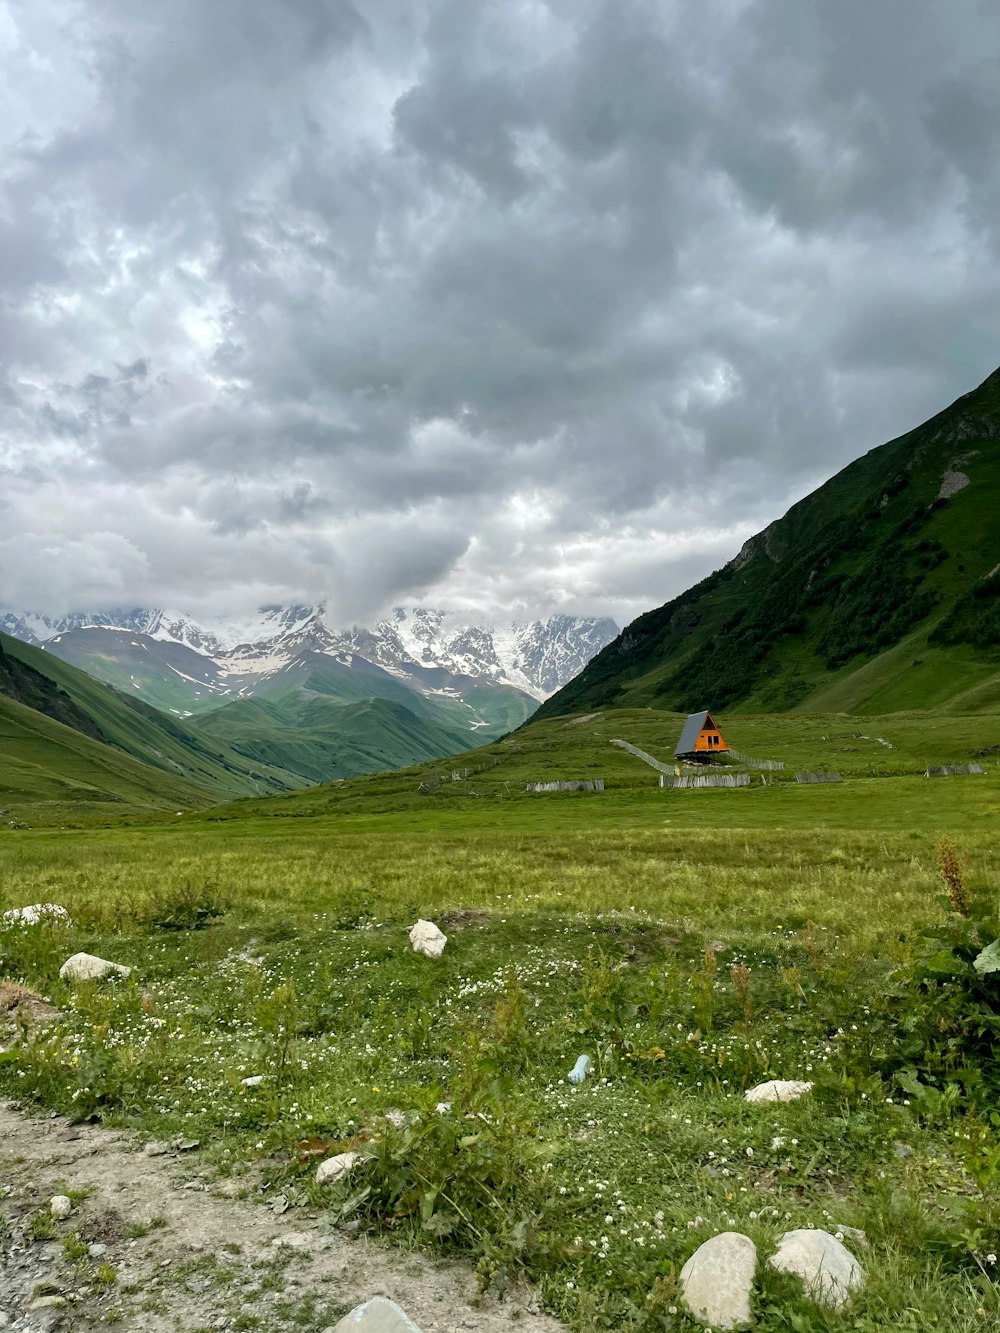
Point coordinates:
[(149, 1245)]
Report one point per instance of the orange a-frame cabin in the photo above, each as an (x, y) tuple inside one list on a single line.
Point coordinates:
[(700, 739)]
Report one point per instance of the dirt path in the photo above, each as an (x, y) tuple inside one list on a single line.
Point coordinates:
[(179, 1255)]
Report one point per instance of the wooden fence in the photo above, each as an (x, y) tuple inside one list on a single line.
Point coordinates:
[(649, 759), (955, 771), (593, 784), (762, 765), (818, 777), (708, 780)]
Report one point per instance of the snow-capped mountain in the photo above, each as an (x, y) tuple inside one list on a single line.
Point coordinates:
[(178, 662)]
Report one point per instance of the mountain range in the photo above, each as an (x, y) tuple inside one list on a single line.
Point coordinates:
[(877, 593), (300, 701), (188, 665)]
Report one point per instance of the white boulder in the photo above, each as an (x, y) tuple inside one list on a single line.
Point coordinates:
[(88, 967), (60, 1206), (717, 1280), (778, 1090), (829, 1271), (336, 1168), (427, 939), (377, 1316), (36, 914)]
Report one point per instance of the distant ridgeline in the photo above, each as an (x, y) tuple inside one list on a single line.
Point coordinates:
[(878, 592)]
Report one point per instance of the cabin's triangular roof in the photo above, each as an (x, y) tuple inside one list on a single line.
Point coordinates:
[(693, 728)]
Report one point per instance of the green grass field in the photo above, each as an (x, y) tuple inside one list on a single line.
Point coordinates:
[(691, 942)]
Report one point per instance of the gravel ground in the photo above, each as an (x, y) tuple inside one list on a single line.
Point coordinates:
[(149, 1246)]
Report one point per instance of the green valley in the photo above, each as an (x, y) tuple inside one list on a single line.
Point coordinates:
[(130, 727)]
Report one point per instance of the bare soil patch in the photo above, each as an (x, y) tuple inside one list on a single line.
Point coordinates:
[(172, 1252)]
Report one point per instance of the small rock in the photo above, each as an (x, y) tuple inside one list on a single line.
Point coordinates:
[(427, 939), (88, 967), (336, 1168), (96, 1250), (377, 1316), (60, 1206), (155, 1149), (48, 1303), (187, 1145), (5, 1321), (254, 1081), (778, 1090), (580, 1070), (36, 914), (443, 1108), (829, 1271), (717, 1280)]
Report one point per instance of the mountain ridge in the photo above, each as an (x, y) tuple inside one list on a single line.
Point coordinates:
[(816, 610), (204, 664)]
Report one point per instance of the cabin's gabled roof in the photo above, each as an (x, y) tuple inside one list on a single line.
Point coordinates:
[(693, 728)]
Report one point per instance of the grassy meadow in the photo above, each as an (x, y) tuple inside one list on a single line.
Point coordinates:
[(692, 943)]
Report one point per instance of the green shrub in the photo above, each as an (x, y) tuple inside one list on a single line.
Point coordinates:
[(947, 1025)]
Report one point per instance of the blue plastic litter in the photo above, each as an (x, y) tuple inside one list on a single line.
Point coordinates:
[(580, 1070)]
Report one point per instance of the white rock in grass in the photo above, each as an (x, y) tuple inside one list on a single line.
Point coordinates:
[(778, 1090), (427, 939), (60, 1206), (717, 1280), (254, 1081), (336, 1168), (88, 967), (36, 914), (377, 1316), (829, 1271)]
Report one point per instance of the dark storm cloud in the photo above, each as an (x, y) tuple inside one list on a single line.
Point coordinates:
[(513, 304)]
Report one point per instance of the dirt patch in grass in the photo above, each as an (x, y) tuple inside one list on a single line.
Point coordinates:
[(178, 1255), (467, 918)]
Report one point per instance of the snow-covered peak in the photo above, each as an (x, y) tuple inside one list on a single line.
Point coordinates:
[(227, 633), (536, 657)]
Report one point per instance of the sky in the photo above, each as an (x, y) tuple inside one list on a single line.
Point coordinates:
[(512, 307)]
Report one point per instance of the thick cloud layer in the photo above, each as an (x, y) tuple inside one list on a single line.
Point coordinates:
[(510, 304)]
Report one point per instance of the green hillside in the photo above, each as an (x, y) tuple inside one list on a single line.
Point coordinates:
[(319, 739), (168, 676), (50, 770), (128, 725), (879, 592)]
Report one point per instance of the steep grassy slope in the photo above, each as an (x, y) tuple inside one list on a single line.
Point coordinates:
[(51, 769), (24, 685), (168, 676), (138, 730), (319, 739), (879, 591)]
